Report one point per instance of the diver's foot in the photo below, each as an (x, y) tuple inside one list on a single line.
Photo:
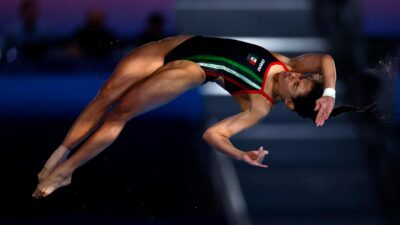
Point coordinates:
[(46, 171), (58, 157), (55, 180), (43, 174)]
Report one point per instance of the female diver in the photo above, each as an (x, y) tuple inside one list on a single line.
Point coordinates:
[(157, 72)]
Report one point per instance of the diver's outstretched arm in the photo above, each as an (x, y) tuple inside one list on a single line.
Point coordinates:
[(218, 135)]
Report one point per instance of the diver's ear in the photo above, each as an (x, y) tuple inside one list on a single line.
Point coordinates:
[(289, 104)]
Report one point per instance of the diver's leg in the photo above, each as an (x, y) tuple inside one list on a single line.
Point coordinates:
[(138, 65), (161, 87)]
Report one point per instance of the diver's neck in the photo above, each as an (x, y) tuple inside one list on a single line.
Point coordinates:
[(275, 88)]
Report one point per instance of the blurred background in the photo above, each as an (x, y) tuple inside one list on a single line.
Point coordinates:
[(54, 56)]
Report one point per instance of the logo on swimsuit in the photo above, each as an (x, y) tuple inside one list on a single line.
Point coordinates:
[(261, 64), (252, 59)]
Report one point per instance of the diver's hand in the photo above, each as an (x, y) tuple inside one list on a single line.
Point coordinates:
[(255, 158), (324, 106)]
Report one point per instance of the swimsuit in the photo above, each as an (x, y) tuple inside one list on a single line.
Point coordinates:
[(243, 66)]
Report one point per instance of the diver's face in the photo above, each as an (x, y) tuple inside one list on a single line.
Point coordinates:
[(293, 85)]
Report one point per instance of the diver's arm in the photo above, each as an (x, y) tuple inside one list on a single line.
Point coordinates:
[(312, 63), (316, 63), (218, 135)]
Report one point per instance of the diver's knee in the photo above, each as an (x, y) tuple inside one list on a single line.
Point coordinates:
[(122, 112), (106, 97)]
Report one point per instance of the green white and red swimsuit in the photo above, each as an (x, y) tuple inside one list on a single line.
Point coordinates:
[(243, 66)]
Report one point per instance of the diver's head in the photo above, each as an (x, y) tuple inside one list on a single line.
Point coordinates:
[(300, 92), (296, 88)]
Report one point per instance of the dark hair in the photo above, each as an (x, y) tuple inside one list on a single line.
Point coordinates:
[(304, 105)]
